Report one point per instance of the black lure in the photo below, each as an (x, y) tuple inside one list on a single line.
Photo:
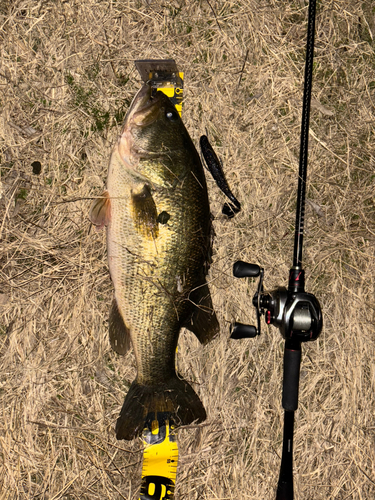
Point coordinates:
[(214, 166)]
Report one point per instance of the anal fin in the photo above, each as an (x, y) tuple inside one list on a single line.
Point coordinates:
[(203, 321), (119, 334)]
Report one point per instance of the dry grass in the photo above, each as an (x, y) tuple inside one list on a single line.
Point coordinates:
[(66, 79)]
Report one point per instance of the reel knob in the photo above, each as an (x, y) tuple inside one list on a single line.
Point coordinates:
[(241, 331), (242, 269)]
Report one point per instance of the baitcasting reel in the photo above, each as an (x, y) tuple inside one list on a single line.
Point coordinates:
[(296, 313)]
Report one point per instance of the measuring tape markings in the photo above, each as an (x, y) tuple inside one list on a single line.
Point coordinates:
[(160, 458), (175, 94)]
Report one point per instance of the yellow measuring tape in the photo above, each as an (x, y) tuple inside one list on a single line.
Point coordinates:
[(175, 93), (160, 458)]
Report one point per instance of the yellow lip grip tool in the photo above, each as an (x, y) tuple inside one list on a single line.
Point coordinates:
[(162, 75), (160, 458)]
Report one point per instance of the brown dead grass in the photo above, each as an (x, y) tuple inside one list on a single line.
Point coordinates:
[(66, 79)]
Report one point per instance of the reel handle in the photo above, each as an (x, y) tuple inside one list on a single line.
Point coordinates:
[(243, 269)]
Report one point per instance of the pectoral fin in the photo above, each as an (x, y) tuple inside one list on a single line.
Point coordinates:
[(100, 211), (119, 334), (203, 321), (144, 212)]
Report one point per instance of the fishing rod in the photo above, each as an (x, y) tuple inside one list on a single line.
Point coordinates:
[(295, 312)]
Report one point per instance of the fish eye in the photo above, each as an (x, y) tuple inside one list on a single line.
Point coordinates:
[(172, 115)]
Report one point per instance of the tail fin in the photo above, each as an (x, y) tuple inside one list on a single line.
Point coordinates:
[(176, 396)]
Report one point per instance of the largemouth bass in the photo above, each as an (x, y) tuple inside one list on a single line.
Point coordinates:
[(158, 239)]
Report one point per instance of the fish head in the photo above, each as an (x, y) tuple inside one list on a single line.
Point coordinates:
[(152, 126)]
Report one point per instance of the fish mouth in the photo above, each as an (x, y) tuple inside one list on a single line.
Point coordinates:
[(144, 109)]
